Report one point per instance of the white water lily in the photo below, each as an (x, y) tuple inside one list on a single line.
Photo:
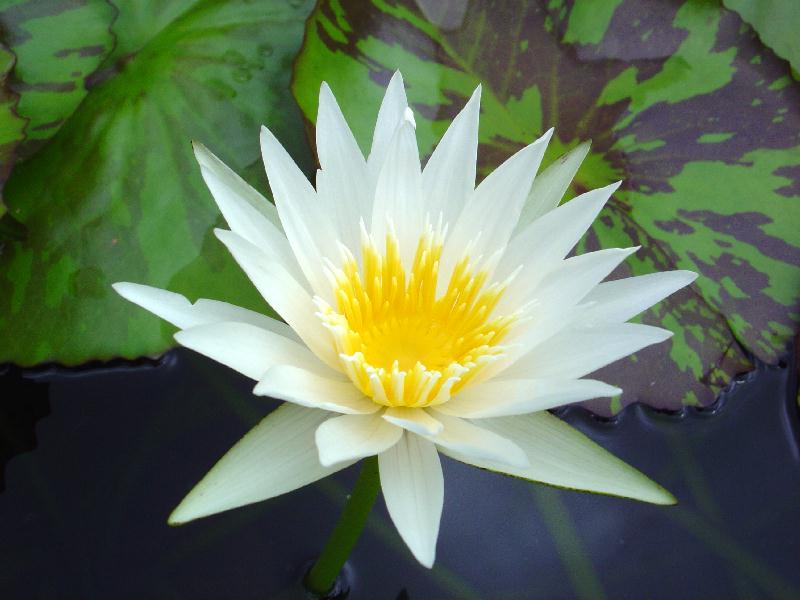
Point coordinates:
[(422, 315)]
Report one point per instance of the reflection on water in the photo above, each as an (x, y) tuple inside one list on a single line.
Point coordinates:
[(23, 402), (84, 514)]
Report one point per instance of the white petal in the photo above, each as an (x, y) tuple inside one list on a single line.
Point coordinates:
[(180, 312), (309, 389), (470, 439), (310, 236), (398, 193), (246, 222), (519, 396), (549, 186), (491, 214), (277, 456), (619, 300), (543, 323), (408, 115), (577, 352), (344, 213), (246, 211), (449, 175), (351, 437), (552, 300), (222, 311), (284, 294), (390, 114), (416, 420), (413, 487), (570, 281), (546, 241), (345, 170), (250, 350), (562, 456), (336, 146)]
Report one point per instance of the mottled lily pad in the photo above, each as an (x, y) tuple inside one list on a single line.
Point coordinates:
[(777, 23), (58, 45), (116, 194), (682, 101), (12, 126)]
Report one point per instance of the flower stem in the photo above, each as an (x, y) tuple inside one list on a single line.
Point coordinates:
[(321, 577)]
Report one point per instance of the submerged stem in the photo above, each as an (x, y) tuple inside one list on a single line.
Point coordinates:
[(321, 577)]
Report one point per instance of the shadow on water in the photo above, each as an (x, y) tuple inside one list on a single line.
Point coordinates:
[(84, 514)]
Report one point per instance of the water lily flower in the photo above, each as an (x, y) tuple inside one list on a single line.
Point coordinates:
[(421, 315)]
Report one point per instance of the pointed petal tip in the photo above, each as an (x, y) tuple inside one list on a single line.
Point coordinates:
[(132, 291), (205, 158), (426, 560), (623, 251), (545, 137), (121, 287), (660, 335), (173, 520), (267, 141), (424, 552), (659, 495), (603, 194), (326, 96), (476, 95), (266, 135), (223, 234), (607, 390), (580, 151), (690, 276), (199, 149), (179, 515), (669, 498)]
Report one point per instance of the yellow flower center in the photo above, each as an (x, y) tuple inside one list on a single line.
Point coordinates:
[(399, 343)]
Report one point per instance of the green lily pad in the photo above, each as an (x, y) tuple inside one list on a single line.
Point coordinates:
[(681, 101), (12, 126), (777, 23), (116, 193)]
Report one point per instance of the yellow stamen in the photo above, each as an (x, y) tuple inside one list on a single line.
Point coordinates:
[(398, 342)]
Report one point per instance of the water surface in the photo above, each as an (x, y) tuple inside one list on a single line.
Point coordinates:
[(83, 515)]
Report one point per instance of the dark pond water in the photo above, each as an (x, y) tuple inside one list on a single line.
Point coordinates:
[(83, 515)]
